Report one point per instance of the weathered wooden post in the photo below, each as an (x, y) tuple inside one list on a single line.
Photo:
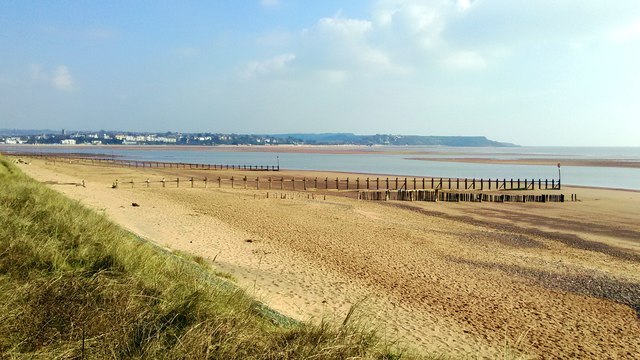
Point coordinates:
[(337, 184), (518, 183), (147, 181), (481, 184), (457, 183), (177, 182), (269, 182), (465, 184), (244, 180), (293, 182), (191, 181), (405, 184), (449, 183), (282, 183), (315, 183), (205, 182), (163, 182), (326, 183), (257, 183), (304, 183), (347, 183), (474, 183), (367, 183), (396, 183), (132, 183), (377, 183), (511, 184), (358, 183), (232, 182), (414, 183)]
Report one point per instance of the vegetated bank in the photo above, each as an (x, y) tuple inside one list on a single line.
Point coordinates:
[(75, 285)]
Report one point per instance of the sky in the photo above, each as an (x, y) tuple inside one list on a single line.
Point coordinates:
[(539, 73)]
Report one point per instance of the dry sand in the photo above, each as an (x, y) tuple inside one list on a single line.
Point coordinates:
[(546, 280)]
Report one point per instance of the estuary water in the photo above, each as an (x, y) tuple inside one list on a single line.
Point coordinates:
[(398, 163)]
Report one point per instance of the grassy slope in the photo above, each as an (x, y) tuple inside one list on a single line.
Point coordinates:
[(72, 284)]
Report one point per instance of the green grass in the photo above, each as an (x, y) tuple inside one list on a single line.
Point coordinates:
[(74, 285)]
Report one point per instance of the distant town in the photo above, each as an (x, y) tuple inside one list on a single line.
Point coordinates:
[(64, 137)]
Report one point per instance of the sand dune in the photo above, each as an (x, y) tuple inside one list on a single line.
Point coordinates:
[(546, 280)]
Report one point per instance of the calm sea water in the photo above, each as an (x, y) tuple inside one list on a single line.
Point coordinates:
[(375, 162)]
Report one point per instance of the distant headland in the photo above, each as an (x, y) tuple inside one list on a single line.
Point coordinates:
[(16, 136)]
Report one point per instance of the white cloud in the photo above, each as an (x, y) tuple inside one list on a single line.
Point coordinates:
[(265, 67), (465, 60), (344, 26), (626, 33), (60, 78)]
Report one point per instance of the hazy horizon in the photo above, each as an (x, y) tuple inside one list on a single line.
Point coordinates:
[(542, 73)]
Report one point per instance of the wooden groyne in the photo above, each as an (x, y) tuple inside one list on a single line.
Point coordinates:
[(436, 195), (99, 160), (349, 184)]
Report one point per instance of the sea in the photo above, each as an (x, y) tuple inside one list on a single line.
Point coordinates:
[(395, 161)]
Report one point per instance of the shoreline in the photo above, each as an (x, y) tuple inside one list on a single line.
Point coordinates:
[(612, 163)]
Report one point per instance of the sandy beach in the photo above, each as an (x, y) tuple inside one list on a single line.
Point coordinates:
[(552, 280)]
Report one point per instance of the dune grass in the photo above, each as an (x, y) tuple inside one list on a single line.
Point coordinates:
[(74, 285)]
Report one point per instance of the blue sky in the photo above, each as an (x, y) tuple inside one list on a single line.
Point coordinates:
[(563, 72)]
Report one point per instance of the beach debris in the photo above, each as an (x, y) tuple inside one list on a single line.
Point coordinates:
[(249, 240), (135, 204)]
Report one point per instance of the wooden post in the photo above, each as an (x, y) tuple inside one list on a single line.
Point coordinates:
[(191, 182), (367, 183), (387, 183), (414, 183), (177, 182), (163, 184), (257, 183), (326, 183), (244, 180), (465, 184), (147, 181), (396, 183), (304, 183), (457, 183), (269, 182), (315, 183), (282, 183), (232, 182), (405, 184), (423, 184), (205, 182), (433, 186), (337, 184), (293, 182), (358, 183), (377, 183)]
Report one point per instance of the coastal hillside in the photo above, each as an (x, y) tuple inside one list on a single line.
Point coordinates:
[(74, 285), (387, 139)]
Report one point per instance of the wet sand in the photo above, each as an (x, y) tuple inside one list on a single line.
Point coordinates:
[(615, 163), (464, 279)]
